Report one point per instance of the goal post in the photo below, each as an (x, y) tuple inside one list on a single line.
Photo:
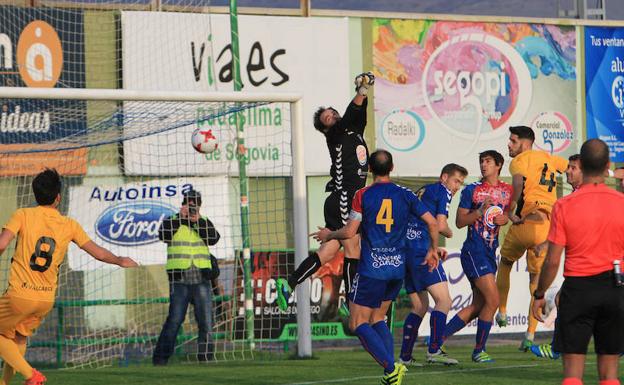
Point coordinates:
[(172, 114)]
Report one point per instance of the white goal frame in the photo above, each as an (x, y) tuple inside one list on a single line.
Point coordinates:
[(304, 335)]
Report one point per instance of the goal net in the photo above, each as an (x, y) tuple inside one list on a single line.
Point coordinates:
[(126, 163)]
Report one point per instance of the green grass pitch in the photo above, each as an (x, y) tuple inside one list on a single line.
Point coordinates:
[(353, 366)]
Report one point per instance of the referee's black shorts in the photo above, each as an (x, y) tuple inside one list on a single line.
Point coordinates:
[(590, 307), (337, 208)]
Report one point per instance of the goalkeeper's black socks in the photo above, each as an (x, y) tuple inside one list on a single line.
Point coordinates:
[(308, 267), (349, 268)]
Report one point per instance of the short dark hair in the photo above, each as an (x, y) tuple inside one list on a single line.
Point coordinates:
[(192, 196), (453, 168), (47, 186), (594, 157), (318, 124), (380, 163), (498, 158), (574, 158), (523, 132)]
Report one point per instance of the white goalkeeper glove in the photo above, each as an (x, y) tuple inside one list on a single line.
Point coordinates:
[(363, 81)]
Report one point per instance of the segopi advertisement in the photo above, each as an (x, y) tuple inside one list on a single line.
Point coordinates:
[(192, 52), (40, 48), (604, 87), (449, 90), (125, 218)]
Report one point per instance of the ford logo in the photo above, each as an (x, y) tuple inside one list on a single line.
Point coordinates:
[(132, 224)]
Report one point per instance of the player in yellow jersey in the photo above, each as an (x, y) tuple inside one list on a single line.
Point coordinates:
[(534, 182), (43, 235)]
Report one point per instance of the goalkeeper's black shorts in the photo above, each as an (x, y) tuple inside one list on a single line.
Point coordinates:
[(590, 307), (337, 208)]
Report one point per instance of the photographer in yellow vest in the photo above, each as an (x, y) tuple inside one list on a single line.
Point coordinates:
[(190, 268)]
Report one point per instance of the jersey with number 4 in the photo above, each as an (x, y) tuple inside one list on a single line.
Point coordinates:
[(43, 235), (384, 210), (539, 170), (437, 198)]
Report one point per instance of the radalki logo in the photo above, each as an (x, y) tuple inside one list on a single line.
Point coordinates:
[(132, 224), (403, 130), (475, 83)]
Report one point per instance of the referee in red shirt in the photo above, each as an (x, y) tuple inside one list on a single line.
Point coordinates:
[(589, 224)]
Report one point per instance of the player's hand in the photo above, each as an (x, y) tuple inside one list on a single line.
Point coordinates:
[(501, 220), (363, 81), (516, 220), (194, 218), (442, 254), (127, 262), (542, 247), (538, 309), (322, 235), (432, 259)]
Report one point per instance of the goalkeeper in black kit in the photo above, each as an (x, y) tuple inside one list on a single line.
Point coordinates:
[(349, 155)]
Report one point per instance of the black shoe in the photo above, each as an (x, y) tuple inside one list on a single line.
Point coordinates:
[(159, 362), (205, 357)]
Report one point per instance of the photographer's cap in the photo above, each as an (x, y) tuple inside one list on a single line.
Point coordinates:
[(192, 196)]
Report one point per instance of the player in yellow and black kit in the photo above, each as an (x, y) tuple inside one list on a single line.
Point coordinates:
[(534, 182), (43, 235)]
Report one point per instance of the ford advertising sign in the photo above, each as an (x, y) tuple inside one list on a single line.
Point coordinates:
[(132, 223)]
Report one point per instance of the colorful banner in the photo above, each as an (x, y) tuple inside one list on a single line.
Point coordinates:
[(449, 90), (604, 87), (192, 52), (41, 48), (327, 293), (125, 217)]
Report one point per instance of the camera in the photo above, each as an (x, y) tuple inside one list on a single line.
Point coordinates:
[(192, 210)]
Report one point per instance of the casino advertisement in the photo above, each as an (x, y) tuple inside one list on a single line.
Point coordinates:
[(604, 87), (327, 293), (446, 91)]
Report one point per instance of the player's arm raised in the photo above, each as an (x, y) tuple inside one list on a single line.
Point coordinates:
[(104, 255), (345, 232)]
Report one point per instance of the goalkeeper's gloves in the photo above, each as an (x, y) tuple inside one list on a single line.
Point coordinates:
[(363, 81)]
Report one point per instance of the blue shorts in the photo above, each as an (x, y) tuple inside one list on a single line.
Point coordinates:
[(371, 292), (419, 278), (477, 265)]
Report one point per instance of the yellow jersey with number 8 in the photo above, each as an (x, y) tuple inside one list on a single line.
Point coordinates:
[(539, 170), (43, 235)]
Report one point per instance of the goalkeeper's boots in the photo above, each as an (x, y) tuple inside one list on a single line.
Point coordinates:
[(482, 357), (525, 345), (396, 376), (283, 293), (36, 379), (440, 357), (545, 351), (501, 319)]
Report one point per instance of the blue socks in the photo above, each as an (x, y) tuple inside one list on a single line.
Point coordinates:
[(382, 329), (410, 332), (438, 325), (375, 345), (483, 332), (455, 324)]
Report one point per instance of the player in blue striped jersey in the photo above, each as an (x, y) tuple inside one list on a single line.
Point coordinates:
[(383, 210), (419, 282)]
